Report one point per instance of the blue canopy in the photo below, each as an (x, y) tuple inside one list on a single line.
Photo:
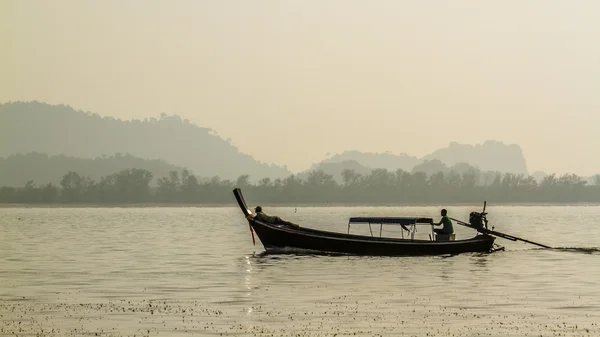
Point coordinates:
[(391, 220)]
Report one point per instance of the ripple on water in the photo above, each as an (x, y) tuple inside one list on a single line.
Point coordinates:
[(194, 271)]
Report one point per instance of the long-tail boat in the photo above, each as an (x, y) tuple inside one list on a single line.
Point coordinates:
[(281, 238)]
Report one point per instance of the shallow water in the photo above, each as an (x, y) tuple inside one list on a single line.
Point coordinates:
[(194, 271)]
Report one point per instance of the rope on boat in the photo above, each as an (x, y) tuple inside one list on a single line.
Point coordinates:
[(252, 231)]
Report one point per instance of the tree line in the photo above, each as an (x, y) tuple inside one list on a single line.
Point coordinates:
[(378, 187)]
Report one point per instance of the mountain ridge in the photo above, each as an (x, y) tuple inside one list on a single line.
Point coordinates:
[(61, 130), (33, 126), (491, 155)]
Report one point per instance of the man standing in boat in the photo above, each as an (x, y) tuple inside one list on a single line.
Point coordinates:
[(447, 229), (262, 217)]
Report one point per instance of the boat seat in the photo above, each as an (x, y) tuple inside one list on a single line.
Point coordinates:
[(445, 237)]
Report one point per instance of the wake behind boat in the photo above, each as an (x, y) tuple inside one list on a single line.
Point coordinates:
[(277, 237)]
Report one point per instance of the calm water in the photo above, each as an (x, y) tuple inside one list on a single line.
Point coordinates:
[(194, 271)]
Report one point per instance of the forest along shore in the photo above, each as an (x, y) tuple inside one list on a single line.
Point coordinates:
[(137, 187)]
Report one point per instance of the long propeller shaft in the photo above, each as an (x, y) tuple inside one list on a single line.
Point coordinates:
[(498, 234)]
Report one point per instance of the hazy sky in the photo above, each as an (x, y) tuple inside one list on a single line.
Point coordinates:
[(290, 81)]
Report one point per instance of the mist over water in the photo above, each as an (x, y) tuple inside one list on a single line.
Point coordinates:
[(301, 103), (194, 271), (405, 77)]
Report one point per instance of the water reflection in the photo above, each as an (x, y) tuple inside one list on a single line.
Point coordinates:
[(248, 281), (107, 265)]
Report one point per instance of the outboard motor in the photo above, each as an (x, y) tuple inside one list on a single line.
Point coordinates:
[(478, 220)]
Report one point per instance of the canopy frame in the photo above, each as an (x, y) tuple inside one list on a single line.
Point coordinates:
[(411, 222)]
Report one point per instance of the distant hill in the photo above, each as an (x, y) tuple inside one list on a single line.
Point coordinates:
[(60, 130), (336, 169), (430, 167), (489, 156), (16, 170), (386, 160)]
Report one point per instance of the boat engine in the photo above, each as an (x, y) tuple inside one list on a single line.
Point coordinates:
[(478, 220)]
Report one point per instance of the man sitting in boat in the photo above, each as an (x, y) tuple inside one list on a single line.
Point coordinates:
[(447, 229), (262, 217)]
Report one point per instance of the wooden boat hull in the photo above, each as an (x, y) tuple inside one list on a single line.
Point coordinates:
[(277, 238), (280, 239)]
